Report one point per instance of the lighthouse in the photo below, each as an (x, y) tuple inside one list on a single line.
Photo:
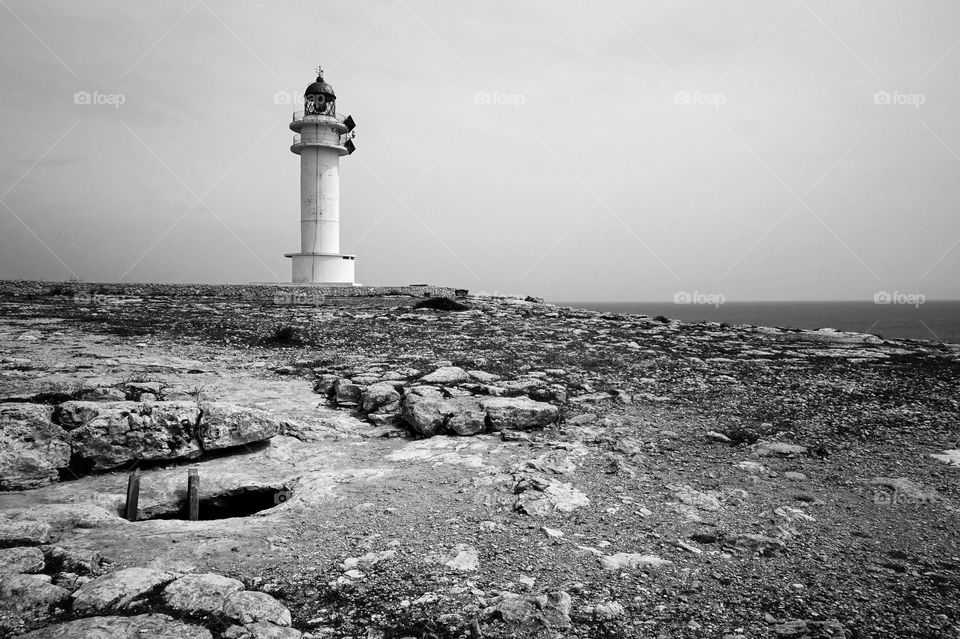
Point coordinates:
[(322, 137)]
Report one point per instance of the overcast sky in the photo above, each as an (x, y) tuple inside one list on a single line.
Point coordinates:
[(599, 150)]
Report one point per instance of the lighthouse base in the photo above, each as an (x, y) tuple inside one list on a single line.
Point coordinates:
[(323, 268)]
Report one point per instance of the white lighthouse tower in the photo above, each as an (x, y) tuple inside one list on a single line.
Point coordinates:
[(322, 137)]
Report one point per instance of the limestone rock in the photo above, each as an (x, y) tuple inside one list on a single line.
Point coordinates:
[(23, 533), (224, 425), (607, 611), (463, 558), (760, 544), (551, 609), (30, 593), (623, 560), (430, 414), (154, 626), (777, 449), (380, 398), (32, 447), (121, 432), (200, 593), (951, 457), (116, 590), (518, 413), (540, 495), (468, 417), (250, 607), (555, 609), (261, 630), (446, 375), (24, 559)]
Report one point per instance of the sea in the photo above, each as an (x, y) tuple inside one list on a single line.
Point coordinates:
[(937, 321)]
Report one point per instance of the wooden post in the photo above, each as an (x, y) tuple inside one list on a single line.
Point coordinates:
[(193, 493), (133, 495)]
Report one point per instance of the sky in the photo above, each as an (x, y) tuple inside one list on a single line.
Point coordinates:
[(607, 150)]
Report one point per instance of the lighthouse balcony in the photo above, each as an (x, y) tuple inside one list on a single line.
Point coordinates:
[(300, 141), (300, 120)]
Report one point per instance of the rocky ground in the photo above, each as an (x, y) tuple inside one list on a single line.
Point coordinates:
[(508, 469)]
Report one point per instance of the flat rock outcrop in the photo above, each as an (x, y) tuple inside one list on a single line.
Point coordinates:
[(155, 626), (117, 590)]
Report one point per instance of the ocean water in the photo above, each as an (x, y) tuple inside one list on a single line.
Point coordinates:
[(937, 321)]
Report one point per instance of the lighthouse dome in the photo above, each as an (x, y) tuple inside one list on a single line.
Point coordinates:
[(320, 87)]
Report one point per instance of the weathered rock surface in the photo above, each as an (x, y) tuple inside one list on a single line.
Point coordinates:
[(250, 607), (225, 425), (154, 626), (117, 433), (32, 447), (23, 532), (30, 593), (117, 590), (446, 375), (380, 398), (200, 593), (261, 630), (551, 610), (21, 560), (518, 413)]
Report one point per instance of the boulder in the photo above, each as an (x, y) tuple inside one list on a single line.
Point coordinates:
[(446, 375), (380, 398), (154, 626), (32, 447), (201, 593), (117, 590), (428, 413), (250, 607), (224, 425), (518, 413), (23, 533), (122, 432), (24, 559)]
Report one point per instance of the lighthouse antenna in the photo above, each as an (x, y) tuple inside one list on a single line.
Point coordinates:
[(319, 71)]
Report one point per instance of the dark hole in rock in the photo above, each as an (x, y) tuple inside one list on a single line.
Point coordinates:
[(239, 502)]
